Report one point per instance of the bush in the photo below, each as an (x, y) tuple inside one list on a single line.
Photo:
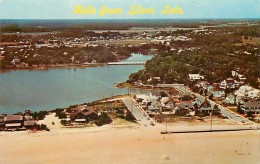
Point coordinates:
[(119, 111), (121, 116), (39, 115), (129, 117), (42, 127), (239, 110), (61, 115), (103, 119), (182, 112)]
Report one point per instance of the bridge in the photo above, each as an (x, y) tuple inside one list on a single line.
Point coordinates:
[(126, 63)]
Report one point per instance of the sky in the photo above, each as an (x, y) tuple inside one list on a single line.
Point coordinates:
[(63, 9)]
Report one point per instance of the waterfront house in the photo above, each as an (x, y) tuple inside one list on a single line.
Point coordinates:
[(30, 124), (91, 113), (13, 121), (2, 124), (15, 61), (83, 114), (78, 117), (154, 79)]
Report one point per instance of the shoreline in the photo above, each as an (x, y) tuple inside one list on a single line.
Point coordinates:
[(59, 66)]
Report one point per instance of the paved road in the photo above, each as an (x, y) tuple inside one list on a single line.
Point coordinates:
[(137, 112), (224, 111)]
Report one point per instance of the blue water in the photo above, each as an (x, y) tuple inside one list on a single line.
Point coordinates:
[(49, 89)]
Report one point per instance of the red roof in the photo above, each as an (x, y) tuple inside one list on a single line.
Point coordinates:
[(87, 111)]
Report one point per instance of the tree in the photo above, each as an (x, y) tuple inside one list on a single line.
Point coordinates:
[(239, 110), (129, 116), (103, 119), (211, 96)]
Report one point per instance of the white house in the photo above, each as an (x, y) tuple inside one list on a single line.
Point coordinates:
[(15, 61), (246, 91), (194, 77)]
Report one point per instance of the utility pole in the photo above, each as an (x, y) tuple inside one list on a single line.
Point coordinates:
[(257, 124), (166, 126), (211, 121)]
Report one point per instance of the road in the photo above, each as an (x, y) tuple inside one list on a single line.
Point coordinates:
[(231, 115), (139, 114)]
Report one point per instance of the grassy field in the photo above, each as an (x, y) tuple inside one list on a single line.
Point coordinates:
[(233, 108)]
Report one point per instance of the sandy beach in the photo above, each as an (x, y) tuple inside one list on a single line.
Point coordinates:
[(136, 144)]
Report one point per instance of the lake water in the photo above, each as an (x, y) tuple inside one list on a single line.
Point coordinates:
[(49, 89)]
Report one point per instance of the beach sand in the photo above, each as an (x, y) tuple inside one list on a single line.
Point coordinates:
[(110, 144)]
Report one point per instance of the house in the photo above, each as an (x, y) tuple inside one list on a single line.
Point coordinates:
[(245, 93), (230, 99), (155, 106), (13, 121), (78, 117), (186, 105), (194, 77), (238, 76), (184, 108), (250, 107), (186, 97), (138, 83), (91, 113), (144, 99), (216, 91), (203, 105), (2, 124), (15, 61), (83, 114), (242, 78), (30, 124), (167, 104), (154, 79), (228, 83), (202, 84)]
